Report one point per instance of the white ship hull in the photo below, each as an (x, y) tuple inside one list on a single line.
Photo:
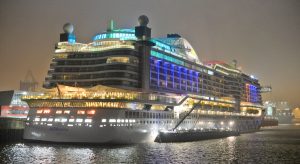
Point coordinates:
[(115, 135), (131, 133)]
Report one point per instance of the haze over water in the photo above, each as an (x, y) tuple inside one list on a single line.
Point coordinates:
[(270, 145)]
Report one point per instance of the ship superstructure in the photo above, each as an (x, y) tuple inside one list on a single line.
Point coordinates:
[(125, 86)]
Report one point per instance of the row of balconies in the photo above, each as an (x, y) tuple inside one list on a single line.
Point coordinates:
[(97, 68), (94, 76)]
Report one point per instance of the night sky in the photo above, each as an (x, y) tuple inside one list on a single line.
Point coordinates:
[(262, 35)]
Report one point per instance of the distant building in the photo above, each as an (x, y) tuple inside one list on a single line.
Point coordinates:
[(270, 108), (296, 113), (280, 110), (29, 83)]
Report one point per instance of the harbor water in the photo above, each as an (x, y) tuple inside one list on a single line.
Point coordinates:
[(270, 145)]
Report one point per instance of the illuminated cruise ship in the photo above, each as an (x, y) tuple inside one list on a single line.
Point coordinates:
[(125, 87)]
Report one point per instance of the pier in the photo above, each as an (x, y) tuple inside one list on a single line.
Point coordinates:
[(11, 129)]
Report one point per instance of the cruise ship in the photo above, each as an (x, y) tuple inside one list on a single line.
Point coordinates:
[(126, 86)]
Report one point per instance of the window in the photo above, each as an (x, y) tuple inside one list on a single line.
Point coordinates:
[(47, 111), (59, 112), (37, 119), (64, 120), (67, 112), (91, 112), (112, 120), (80, 112), (103, 120), (79, 120), (39, 111), (117, 60), (50, 119), (88, 120), (71, 120)]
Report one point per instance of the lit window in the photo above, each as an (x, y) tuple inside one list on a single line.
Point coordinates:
[(112, 120), (117, 60), (80, 112), (44, 119), (49, 124), (39, 111), (210, 72), (70, 124), (59, 112), (103, 120), (50, 119), (47, 111), (37, 119), (67, 112), (79, 120), (88, 120), (71, 120), (131, 120), (91, 112), (64, 120), (118, 120), (57, 120)]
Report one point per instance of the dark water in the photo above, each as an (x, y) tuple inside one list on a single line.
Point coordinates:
[(271, 145)]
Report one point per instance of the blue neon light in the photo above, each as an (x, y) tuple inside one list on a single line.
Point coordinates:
[(253, 95), (172, 70), (197, 81), (165, 71), (71, 38), (122, 34), (172, 65), (157, 66), (185, 73)]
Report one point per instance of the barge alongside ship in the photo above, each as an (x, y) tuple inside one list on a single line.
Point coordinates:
[(193, 135), (127, 87)]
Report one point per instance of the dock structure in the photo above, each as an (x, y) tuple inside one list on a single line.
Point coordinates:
[(11, 129)]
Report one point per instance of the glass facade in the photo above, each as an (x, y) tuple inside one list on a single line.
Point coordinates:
[(167, 75)]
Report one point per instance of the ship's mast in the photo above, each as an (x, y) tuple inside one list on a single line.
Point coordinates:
[(143, 46)]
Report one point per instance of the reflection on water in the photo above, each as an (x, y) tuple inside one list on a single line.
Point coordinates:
[(271, 145)]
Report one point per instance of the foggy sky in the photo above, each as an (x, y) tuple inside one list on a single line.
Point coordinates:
[(262, 35)]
